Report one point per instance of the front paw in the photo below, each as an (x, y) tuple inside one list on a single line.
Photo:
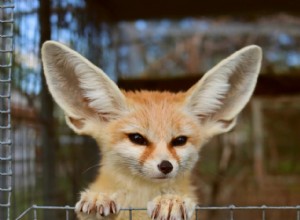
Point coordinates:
[(95, 203), (170, 207)]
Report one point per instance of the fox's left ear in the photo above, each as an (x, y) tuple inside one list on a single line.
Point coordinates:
[(87, 96), (225, 90)]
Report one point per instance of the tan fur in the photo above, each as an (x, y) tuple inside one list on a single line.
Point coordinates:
[(167, 120), (133, 174)]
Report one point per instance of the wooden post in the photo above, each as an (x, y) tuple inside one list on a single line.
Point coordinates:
[(48, 136), (258, 141)]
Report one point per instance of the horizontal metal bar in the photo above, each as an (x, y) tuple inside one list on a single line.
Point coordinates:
[(5, 80), (5, 190), (5, 127), (6, 174), (54, 207), (133, 209), (197, 208), (4, 111), (6, 158), (5, 142), (7, 6), (6, 51), (232, 207), (4, 96), (6, 36), (6, 65), (5, 204), (7, 21)]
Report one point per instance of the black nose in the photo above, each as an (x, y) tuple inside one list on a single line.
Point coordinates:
[(165, 167)]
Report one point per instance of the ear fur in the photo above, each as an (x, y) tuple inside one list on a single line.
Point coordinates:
[(81, 89), (225, 90)]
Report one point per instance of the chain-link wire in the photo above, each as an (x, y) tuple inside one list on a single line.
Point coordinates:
[(6, 53), (199, 211)]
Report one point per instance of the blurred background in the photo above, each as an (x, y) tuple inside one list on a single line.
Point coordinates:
[(164, 45)]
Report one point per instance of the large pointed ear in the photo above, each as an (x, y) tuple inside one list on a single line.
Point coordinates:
[(225, 90), (82, 90)]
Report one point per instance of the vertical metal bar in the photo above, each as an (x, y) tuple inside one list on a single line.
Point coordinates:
[(231, 211), (6, 53), (67, 212), (34, 214), (264, 212), (130, 213), (196, 214), (298, 212)]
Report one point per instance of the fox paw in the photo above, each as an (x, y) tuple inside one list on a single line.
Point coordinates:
[(99, 204), (170, 207)]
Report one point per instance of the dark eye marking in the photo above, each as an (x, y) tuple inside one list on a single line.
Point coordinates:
[(138, 139), (179, 141)]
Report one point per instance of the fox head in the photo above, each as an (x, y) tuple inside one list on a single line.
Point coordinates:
[(154, 135)]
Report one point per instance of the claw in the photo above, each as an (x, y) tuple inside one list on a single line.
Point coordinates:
[(113, 207), (183, 212), (89, 209), (85, 207), (106, 210), (155, 212), (78, 207), (170, 209), (101, 210)]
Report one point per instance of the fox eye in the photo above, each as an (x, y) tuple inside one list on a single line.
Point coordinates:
[(138, 139), (179, 141)]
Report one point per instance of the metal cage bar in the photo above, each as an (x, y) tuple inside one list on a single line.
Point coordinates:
[(6, 53), (231, 209), (6, 166)]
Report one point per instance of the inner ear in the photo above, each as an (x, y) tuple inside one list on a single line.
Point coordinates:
[(227, 124), (224, 91), (82, 90), (104, 116), (78, 123)]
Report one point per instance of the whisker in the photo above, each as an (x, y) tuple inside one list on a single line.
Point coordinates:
[(88, 169)]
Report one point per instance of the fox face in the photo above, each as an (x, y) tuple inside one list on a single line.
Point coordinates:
[(155, 137), (151, 139)]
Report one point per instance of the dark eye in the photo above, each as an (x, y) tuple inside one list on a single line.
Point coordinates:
[(138, 139), (179, 141)]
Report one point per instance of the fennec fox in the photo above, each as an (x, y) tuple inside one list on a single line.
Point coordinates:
[(149, 140)]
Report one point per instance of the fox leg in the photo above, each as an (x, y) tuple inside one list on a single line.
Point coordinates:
[(171, 207), (95, 205)]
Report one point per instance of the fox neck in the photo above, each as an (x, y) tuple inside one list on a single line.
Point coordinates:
[(139, 190)]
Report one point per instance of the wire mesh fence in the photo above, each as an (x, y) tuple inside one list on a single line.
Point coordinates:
[(18, 161), (6, 53), (225, 212)]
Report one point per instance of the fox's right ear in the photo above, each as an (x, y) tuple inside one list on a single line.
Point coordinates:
[(224, 91), (82, 90)]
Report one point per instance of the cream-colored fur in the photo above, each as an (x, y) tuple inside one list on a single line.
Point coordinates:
[(149, 140)]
